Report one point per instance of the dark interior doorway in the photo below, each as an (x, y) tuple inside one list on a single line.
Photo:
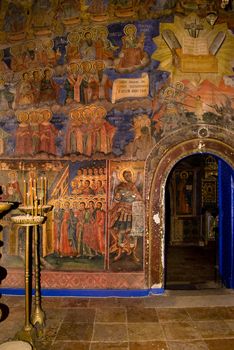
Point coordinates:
[(191, 226)]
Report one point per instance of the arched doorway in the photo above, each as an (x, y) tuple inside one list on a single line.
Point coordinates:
[(159, 165), (191, 224)]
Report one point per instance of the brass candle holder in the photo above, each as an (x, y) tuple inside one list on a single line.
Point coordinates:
[(38, 315), (34, 210), (28, 221), (5, 206)]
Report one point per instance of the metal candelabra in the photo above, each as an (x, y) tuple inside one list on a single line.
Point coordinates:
[(34, 214)]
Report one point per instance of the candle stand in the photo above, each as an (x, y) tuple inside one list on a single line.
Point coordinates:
[(34, 211), (38, 315), (28, 221), (4, 208)]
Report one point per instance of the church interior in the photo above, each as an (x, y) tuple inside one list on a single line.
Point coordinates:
[(191, 242), (116, 174)]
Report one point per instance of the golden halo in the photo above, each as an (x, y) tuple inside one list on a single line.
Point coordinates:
[(120, 174), (99, 65), (47, 114), (75, 114), (88, 31), (23, 74), (74, 37), (169, 92), (22, 116), (48, 69), (179, 85), (130, 28), (87, 114), (102, 30), (72, 67), (37, 71), (47, 43), (64, 202), (84, 200), (31, 45), (86, 65), (12, 172), (184, 175)]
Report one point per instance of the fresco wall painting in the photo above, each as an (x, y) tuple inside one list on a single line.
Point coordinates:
[(88, 89)]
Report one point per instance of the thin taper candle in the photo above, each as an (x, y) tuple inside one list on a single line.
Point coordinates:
[(25, 191), (30, 188), (45, 198), (41, 189), (35, 189), (36, 206)]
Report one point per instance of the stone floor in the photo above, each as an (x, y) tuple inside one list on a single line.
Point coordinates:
[(190, 267), (177, 320)]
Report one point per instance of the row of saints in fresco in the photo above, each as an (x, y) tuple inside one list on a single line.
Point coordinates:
[(64, 95), (97, 218)]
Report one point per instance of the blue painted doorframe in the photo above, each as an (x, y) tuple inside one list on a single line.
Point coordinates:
[(226, 223)]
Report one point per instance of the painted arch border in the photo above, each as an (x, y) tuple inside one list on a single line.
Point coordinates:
[(165, 155)]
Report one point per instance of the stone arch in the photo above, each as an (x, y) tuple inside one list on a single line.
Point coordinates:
[(185, 142)]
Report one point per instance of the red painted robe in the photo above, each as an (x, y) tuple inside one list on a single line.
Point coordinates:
[(23, 140), (89, 237), (65, 249), (48, 134), (100, 230)]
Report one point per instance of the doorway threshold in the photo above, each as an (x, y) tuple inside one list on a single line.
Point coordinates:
[(188, 285), (180, 286)]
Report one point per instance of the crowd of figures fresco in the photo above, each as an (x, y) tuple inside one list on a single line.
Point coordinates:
[(87, 89), (97, 212)]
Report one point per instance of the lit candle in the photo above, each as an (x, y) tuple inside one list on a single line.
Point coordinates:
[(31, 199), (30, 191), (35, 189), (41, 206), (45, 189), (25, 190), (36, 206), (32, 205), (41, 188)]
